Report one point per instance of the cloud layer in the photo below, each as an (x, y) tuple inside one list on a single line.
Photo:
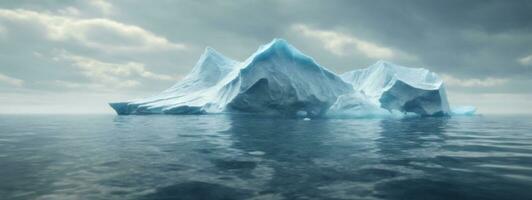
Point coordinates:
[(105, 75), (10, 80), (98, 33), (97, 48)]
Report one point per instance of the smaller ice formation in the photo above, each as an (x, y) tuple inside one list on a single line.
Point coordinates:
[(394, 87), (280, 80), (463, 110)]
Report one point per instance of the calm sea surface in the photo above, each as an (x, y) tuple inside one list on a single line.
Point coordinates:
[(243, 157)]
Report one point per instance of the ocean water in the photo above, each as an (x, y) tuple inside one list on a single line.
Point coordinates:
[(245, 157)]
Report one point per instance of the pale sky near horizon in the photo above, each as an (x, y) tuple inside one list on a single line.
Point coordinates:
[(74, 56)]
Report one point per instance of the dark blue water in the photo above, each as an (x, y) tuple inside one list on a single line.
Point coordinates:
[(242, 157)]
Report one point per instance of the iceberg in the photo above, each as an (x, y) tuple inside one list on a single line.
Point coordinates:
[(280, 80)]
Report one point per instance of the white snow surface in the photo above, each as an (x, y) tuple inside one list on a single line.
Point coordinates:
[(278, 79)]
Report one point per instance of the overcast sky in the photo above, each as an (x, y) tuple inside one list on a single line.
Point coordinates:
[(75, 56)]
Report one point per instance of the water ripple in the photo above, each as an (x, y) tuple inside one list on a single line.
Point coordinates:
[(244, 157)]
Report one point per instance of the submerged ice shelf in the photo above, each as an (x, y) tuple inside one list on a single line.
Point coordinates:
[(278, 79)]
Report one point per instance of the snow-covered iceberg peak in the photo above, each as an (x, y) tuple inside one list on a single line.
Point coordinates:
[(278, 79)]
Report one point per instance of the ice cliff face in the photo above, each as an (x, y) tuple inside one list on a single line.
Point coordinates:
[(278, 79)]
